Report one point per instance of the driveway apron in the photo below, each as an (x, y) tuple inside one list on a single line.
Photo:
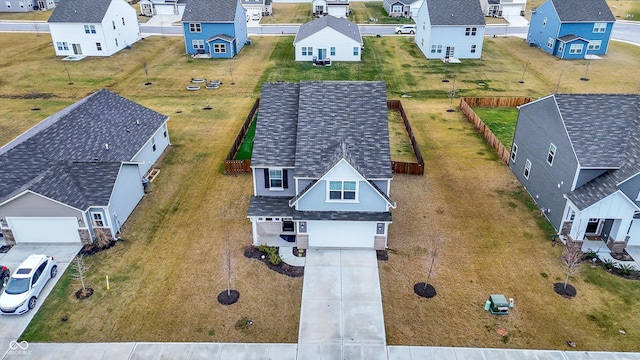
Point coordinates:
[(341, 311)]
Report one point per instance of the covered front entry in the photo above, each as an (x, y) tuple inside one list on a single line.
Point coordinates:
[(341, 234), (44, 230)]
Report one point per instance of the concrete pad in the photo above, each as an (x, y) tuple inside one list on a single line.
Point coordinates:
[(257, 352), (283, 351), (422, 353), (469, 354), (364, 352), (318, 257), (359, 258), (444, 353), (363, 322), (175, 351), (401, 353), (229, 351), (320, 320), (360, 283), (204, 351), (31, 351), (500, 354), (322, 283), (627, 356), (320, 351)]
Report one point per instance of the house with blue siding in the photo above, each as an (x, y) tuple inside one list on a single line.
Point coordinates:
[(322, 179), (79, 171), (214, 28), (578, 156), (450, 29), (571, 29)]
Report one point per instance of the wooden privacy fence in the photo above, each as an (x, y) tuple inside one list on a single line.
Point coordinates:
[(406, 167), (237, 166), (466, 105)]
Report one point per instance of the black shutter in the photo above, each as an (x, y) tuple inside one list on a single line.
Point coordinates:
[(266, 178), (285, 181)]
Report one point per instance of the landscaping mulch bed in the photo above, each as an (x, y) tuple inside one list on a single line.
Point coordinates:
[(427, 291), (228, 297), (299, 252), (90, 249), (84, 293), (382, 255), (568, 292), (623, 256), (253, 252), (617, 272)]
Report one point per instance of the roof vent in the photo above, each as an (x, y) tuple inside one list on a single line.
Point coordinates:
[(106, 146), (137, 122)]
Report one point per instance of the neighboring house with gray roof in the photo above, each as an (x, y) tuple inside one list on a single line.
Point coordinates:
[(578, 156), (93, 28), (79, 170), (214, 28), (503, 8), (402, 8), (26, 5), (257, 7), (321, 165), (328, 39), (337, 8), (571, 29), (450, 29), (161, 7)]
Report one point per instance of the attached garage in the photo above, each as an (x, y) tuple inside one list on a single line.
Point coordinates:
[(44, 230), (510, 10), (341, 234)]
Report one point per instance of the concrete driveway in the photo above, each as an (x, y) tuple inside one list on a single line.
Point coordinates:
[(11, 327)]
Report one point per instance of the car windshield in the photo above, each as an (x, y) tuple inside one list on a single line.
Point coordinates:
[(17, 286)]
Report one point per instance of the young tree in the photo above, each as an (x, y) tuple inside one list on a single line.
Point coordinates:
[(146, 70), (434, 245), (80, 269), (571, 258)]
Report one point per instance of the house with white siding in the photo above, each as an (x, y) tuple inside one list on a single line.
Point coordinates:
[(26, 5), (328, 39), (93, 28)]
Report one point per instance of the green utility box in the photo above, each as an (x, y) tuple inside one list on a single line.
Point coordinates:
[(498, 304)]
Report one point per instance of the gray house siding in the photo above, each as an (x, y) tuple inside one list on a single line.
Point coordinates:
[(127, 192), (538, 126), (32, 205), (382, 185), (584, 176), (631, 187), (262, 188), (315, 200), (147, 154), (303, 183)]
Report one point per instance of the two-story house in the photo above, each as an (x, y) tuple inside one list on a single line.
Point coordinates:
[(572, 29), (161, 7), (93, 28), (257, 8), (321, 165), (215, 29), (450, 29), (337, 8), (402, 8), (26, 5), (503, 8), (79, 170), (578, 156), (328, 39)]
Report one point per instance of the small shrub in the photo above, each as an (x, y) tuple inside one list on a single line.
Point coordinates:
[(544, 275), (272, 254), (589, 255), (626, 269), (608, 264), (275, 259)]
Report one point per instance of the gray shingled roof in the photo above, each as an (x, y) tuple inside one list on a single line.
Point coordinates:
[(224, 37), (455, 12), (275, 140), (80, 11), (612, 130), (583, 10), (571, 37), (279, 206), (351, 111), (64, 156), (251, 2), (210, 10), (340, 25)]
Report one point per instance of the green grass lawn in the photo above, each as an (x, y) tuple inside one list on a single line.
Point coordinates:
[(501, 121), (246, 148)]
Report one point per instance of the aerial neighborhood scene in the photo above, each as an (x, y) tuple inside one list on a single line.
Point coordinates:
[(320, 179)]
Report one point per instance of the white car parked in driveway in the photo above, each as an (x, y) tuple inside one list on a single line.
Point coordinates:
[(406, 29), (26, 284)]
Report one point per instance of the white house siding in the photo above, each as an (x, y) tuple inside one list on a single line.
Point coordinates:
[(74, 33), (149, 156), (325, 39), (126, 194), (253, 9), (634, 233), (615, 206), (335, 234), (32, 204), (510, 10), (449, 36), (338, 10)]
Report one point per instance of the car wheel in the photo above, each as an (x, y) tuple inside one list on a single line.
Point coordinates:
[(32, 303), (54, 271), (412, 32), (398, 32), (5, 281)]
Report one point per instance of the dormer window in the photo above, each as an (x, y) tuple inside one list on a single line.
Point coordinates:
[(342, 190)]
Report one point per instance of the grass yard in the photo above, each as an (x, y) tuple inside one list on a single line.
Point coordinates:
[(399, 142), (246, 148), (363, 11), (625, 9), (501, 121), (165, 275), (289, 13), (27, 16)]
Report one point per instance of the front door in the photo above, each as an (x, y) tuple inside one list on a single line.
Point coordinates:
[(449, 52), (322, 54), (606, 229), (77, 49)]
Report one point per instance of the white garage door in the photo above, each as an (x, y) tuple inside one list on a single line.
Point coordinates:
[(511, 10), (341, 234), (45, 230)]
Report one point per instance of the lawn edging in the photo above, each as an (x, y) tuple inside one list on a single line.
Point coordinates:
[(466, 104), (232, 166)]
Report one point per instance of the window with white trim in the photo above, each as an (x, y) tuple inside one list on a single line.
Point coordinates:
[(576, 48), (7, 4), (195, 27), (164, 130), (275, 178), (21, 5), (356, 50), (527, 169), (436, 49), (197, 44), (560, 47), (473, 49), (89, 29), (599, 27), (342, 190), (113, 23), (544, 22), (332, 51), (153, 143), (96, 219), (116, 39), (550, 42), (123, 22), (552, 154), (514, 152), (219, 48), (594, 45), (396, 8), (98, 46), (59, 44), (470, 31)]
